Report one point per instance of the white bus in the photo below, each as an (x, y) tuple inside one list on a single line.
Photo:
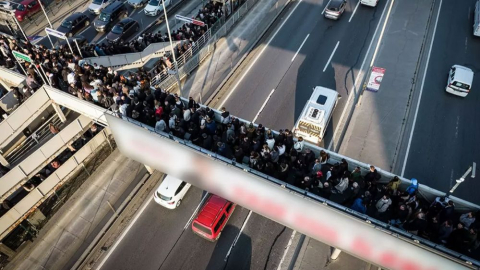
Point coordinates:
[(316, 115)]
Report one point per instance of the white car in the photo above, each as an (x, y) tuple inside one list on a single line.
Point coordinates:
[(171, 192), (459, 80), (97, 6), (155, 6), (372, 3)]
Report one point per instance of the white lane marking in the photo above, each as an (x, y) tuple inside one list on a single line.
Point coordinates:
[(102, 39), (196, 211), (301, 45), (110, 251), (381, 33), (326, 6), (355, 10), (258, 56), (331, 56), (358, 78), (263, 106), (286, 250), (456, 127), (238, 235), (466, 41), (421, 91)]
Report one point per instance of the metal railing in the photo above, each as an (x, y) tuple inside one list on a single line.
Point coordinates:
[(195, 55)]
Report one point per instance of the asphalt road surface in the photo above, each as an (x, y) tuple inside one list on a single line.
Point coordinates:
[(446, 136), (93, 36), (163, 239), (308, 50)]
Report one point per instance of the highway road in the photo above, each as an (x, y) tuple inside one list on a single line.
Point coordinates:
[(163, 239), (187, 8), (306, 50), (446, 133)]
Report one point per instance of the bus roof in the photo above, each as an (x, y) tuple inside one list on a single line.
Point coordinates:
[(321, 103)]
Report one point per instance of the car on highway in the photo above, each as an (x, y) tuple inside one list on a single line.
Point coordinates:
[(110, 15), (459, 80), (123, 30), (137, 3), (171, 192), (155, 6), (335, 9), (213, 217), (27, 8), (97, 6), (81, 40), (8, 6), (74, 23)]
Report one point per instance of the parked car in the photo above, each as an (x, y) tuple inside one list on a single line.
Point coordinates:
[(213, 217), (97, 6), (335, 9), (171, 192), (459, 80), (110, 15), (155, 6), (74, 23), (8, 6), (137, 3), (27, 8), (123, 30)]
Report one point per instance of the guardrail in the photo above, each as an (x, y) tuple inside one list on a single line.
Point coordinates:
[(25, 114), (27, 205), (31, 165), (334, 157), (193, 59)]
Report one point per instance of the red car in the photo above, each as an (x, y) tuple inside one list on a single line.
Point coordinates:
[(27, 8), (213, 217)]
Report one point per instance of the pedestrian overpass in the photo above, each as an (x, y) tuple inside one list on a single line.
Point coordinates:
[(323, 220)]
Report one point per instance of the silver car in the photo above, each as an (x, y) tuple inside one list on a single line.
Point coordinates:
[(335, 9), (137, 3)]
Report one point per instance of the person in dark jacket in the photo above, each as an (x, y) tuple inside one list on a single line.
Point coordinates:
[(372, 176)]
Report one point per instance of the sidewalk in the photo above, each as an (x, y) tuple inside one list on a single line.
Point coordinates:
[(72, 228), (374, 133)]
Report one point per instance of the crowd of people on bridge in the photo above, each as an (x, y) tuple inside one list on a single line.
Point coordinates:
[(278, 155)]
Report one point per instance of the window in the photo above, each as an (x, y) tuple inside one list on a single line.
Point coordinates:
[(461, 85), (165, 198), (229, 207), (182, 185), (219, 223), (321, 99), (202, 228)]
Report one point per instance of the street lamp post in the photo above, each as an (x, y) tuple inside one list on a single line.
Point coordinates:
[(48, 20), (177, 76), (471, 169), (20, 27)]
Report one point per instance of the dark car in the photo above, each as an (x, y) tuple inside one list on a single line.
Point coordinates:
[(335, 9), (27, 8), (110, 15), (74, 23), (81, 40), (123, 30)]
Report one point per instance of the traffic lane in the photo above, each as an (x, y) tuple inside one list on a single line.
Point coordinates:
[(93, 36), (287, 102), (445, 139), (193, 252), (271, 65), (260, 246), (153, 235)]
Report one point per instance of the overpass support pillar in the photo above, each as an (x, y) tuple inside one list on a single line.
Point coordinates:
[(335, 254), (59, 112)]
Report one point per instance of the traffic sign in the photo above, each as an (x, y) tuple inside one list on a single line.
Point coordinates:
[(55, 33), (189, 20), (22, 56)]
